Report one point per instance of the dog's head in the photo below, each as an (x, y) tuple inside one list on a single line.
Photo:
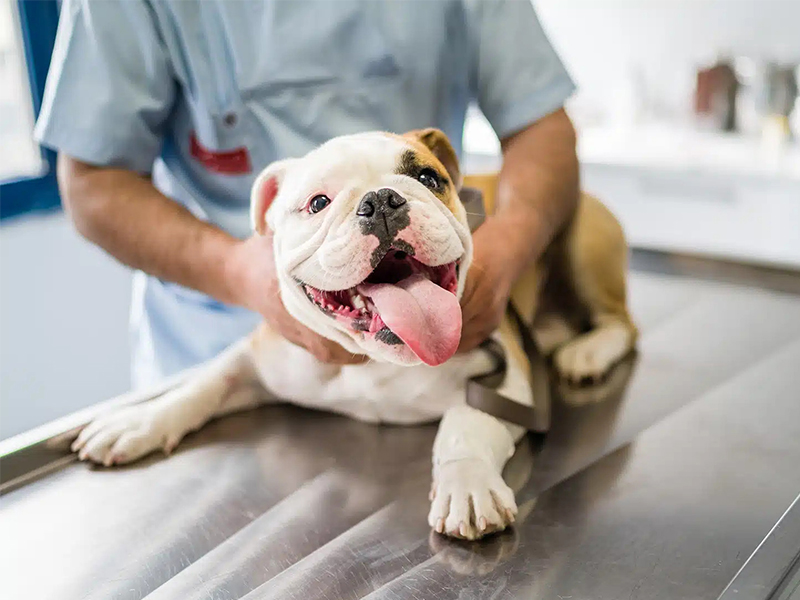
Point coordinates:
[(371, 242)]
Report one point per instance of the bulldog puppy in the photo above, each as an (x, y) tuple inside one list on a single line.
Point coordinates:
[(372, 250)]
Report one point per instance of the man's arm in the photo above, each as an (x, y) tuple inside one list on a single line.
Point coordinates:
[(123, 213), (538, 187), (537, 192)]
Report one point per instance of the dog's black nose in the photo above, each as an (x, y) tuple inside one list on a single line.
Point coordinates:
[(367, 206), (383, 213), (383, 200), (391, 198)]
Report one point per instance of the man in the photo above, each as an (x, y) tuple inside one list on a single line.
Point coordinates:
[(163, 112)]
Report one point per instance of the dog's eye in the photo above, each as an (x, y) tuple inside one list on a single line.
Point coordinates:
[(318, 203), (428, 178)]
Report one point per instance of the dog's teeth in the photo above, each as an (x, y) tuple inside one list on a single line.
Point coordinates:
[(358, 302)]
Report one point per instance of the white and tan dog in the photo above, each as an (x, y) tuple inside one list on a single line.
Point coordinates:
[(372, 249)]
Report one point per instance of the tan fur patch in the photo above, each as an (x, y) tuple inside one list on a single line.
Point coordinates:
[(487, 184), (428, 159)]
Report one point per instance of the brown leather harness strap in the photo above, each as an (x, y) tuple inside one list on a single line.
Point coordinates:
[(482, 390)]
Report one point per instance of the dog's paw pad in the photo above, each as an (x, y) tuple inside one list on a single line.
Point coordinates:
[(471, 500)]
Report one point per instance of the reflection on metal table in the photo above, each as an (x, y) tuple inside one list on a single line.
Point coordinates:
[(663, 490)]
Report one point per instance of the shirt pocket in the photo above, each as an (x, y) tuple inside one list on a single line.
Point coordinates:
[(276, 79)]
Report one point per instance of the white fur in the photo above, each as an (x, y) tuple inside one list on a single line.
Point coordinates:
[(328, 251)]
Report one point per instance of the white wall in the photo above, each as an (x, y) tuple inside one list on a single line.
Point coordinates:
[(63, 323), (652, 49), (604, 41)]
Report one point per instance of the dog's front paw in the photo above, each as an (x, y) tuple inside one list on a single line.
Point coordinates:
[(470, 500), (126, 435)]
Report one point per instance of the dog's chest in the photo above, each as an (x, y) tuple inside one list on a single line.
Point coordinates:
[(373, 392)]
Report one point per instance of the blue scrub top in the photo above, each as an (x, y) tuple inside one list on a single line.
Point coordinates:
[(204, 94)]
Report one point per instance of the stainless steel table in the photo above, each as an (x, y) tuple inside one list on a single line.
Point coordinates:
[(665, 489)]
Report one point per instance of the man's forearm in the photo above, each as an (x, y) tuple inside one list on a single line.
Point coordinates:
[(123, 213), (538, 187)]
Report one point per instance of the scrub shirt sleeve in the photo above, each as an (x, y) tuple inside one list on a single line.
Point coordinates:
[(110, 87), (517, 75)]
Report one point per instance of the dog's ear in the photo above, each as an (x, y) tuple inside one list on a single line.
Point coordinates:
[(264, 190), (436, 141)]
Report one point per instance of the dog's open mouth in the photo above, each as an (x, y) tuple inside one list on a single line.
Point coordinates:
[(401, 301)]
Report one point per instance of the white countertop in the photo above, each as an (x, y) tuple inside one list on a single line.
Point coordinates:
[(688, 191), (674, 148)]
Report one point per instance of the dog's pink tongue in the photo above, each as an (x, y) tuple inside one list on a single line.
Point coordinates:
[(422, 314)]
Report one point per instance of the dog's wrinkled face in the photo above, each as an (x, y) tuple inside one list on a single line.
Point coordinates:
[(371, 243)]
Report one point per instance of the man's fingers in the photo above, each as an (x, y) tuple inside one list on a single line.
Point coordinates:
[(476, 330), (322, 348), (468, 345), (348, 358), (472, 340), (335, 354), (332, 353), (470, 310)]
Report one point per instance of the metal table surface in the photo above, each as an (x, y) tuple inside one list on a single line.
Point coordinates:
[(661, 491)]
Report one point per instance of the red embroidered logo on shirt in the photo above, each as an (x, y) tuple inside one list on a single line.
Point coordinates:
[(228, 162)]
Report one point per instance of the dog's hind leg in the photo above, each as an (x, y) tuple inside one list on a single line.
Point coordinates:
[(596, 260), (226, 384)]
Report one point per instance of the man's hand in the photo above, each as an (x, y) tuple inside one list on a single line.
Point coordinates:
[(537, 192), (252, 272), (487, 288), (123, 213)]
